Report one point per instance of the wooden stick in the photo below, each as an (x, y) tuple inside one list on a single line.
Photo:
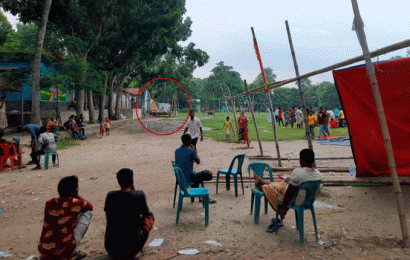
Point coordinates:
[(297, 159), (226, 103), (390, 48), (233, 109), (268, 98), (358, 26), (302, 98), (253, 117)]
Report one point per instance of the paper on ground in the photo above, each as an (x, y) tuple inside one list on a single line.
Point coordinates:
[(189, 252), (156, 242), (213, 242)]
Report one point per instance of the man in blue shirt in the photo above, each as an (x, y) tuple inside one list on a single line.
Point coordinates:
[(185, 156), (34, 131)]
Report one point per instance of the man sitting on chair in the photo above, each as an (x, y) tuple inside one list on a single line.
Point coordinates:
[(48, 145), (185, 156), (285, 190)]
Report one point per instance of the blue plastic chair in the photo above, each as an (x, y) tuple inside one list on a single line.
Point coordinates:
[(234, 172), (191, 193), (310, 187), (176, 186), (258, 168), (47, 158)]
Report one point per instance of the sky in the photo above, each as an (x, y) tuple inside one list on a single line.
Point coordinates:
[(321, 32)]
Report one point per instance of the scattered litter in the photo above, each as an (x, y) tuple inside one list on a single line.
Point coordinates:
[(80, 180), (188, 252), (32, 257), (36, 199), (292, 227), (5, 254), (213, 242), (322, 205), (156, 242), (321, 242), (2, 201), (1, 210), (348, 187), (156, 229), (203, 214)]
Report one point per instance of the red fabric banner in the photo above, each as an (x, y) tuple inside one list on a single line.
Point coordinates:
[(360, 109)]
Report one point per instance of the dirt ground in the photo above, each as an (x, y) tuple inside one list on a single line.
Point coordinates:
[(353, 222)]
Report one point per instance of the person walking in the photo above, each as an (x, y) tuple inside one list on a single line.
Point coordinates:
[(195, 128)]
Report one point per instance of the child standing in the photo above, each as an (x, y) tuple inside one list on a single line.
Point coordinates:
[(312, 123), (107, 126), (102, 123), (228, 126)]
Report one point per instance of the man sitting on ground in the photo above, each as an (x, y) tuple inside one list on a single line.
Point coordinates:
[(75, 128), (185, 156), (129, 220), (285, 190), (48, 145), (66, 219), (53, 126)]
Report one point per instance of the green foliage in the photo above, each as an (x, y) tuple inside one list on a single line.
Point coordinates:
[(15, 78), (5, 28), (270, 77)]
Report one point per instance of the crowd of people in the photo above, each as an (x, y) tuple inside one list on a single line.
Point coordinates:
[(324, 117)]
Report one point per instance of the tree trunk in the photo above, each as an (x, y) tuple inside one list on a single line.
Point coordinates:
[(91, 106), (35, 80), (79, 95), (102, 102), (111, 99), (117, 104)]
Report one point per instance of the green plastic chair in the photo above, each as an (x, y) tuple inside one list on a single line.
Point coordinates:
[(234, 172), (258, 168), (311, 188), (176, 186), (191, 193)]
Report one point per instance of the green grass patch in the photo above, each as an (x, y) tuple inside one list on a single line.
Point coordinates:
[(265, 128), (66, 142)]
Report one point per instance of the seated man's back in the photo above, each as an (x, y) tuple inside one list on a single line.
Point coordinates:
[(123, 210)]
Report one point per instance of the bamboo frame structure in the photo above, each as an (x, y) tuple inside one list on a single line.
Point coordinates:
[(302, 98), (269, 101), (233, 110), (390, 48), (226, 103), (253, 117), (358, 26)]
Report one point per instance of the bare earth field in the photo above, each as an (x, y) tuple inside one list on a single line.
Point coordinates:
[(353, 222)]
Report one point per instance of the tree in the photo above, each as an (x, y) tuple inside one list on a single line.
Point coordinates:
[(22, 40), (35, 75), (5, 28), (270, 77)]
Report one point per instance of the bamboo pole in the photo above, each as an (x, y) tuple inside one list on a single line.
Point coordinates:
[(387, 49), (302, 98), (226, 103), (358, 27), (253, 117), (233, 109), (297, 159), (268, 98)]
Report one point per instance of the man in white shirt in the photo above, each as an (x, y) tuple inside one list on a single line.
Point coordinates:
[(195, 128), (298, 116), (48, 145)]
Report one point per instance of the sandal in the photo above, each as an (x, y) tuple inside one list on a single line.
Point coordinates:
[(78, 255)]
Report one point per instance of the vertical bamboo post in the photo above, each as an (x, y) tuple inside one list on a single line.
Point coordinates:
[(226, 103), (302, 98), (358, 27), (214, 106), (253, 117), (268, 98), (233, 109)]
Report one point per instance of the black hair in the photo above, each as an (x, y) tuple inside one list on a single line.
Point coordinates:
[(67, 185), (43, 129), (1, 133), (186, 139), (191, 111), (227, 117), (19, 129), (125, 177), (307, 156)]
